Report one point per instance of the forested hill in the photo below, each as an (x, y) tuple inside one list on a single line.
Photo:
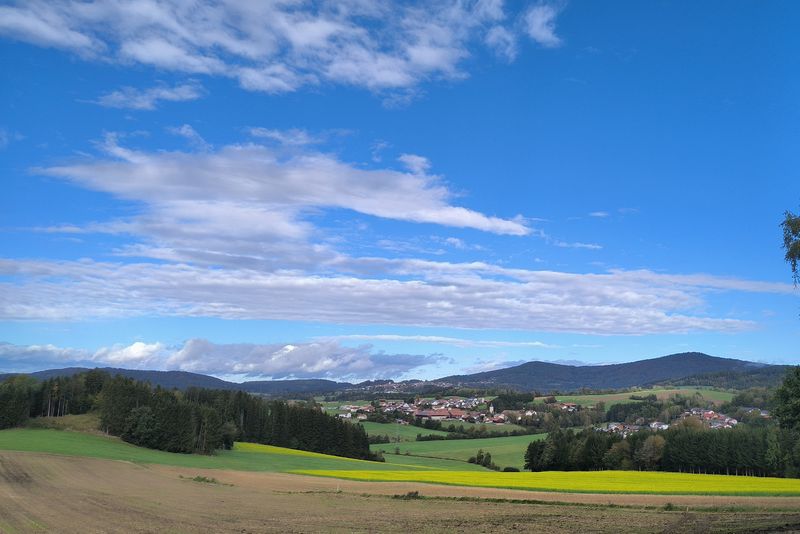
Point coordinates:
[(545, 377), (693, 368), (184, 380), (770, 376)]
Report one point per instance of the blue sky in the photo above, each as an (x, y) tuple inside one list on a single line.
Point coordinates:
[(356, 190)]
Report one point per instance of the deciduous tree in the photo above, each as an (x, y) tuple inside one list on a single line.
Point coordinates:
[(791, 242)]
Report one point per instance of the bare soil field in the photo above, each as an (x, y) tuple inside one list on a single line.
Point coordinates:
[(48, 493)]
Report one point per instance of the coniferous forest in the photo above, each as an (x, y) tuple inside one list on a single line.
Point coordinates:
[(192, 421), (769, 451)]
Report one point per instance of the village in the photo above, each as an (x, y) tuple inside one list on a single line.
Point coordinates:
[(450, 409), (708, 418), (480, 411)]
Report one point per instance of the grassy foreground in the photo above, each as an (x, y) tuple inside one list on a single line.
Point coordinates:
[(398, 468), (632, 482)]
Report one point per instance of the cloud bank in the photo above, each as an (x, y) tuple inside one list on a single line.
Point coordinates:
[(149, 99), (320, 359), (276, 46), (231, 233)]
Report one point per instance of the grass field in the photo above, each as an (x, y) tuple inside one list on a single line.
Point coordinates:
[(635, 482), (615, 398), (244, 456), (508, 427), (394, 430), (506, 452)]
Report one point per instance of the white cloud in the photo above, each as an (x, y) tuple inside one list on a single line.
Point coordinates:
[(148, 99), (191, 135), (503, 42), (232, 235), (540, 24), (587, 246), (482, 366), (414, 163), (455, 242), (7, 137), (277, 46), (137, 355), (291, 137), (599, 214), (377, 149), (242, 197), (319, 359), (433, 294), (444, 340), (37, 23)]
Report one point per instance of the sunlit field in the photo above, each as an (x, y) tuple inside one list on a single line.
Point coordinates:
[(243, 457), (636, 482), (506, 452)]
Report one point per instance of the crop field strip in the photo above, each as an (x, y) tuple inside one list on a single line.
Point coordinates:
[(611, 482)]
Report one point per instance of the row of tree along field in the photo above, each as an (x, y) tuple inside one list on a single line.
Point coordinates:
[(197, 420), (736, 451), (769, 448)]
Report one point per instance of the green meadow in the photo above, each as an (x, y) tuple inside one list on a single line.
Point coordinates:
[(661, 393), (506, 452), (395, 430), (243, 457)]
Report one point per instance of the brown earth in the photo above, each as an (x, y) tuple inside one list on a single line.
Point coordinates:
[(45, 493)]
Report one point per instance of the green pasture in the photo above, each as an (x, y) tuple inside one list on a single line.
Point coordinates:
[(490, 427), (243, 457), (610, 399), (506, 452), (395, 430)]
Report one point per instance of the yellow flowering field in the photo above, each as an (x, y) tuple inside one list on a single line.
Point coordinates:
[(270, 449), (586, 481)]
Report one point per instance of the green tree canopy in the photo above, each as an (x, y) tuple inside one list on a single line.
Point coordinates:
[(787, 400), (791, 242)]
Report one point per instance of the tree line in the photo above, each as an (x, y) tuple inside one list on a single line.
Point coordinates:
[(747, 449), (193, 421), (687, 448)]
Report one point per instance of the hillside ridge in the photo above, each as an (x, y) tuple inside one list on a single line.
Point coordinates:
[(530, 376)]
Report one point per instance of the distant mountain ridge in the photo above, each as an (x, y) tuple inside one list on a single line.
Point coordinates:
[(691, 367), (545, 376), (185, 379)]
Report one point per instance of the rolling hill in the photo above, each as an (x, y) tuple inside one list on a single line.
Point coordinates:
[(693, 368), (184, 379), (544, 376)]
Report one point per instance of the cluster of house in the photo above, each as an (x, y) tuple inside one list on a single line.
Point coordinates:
[(624, 429), (453, 409), (710, 418), (752, 410)]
